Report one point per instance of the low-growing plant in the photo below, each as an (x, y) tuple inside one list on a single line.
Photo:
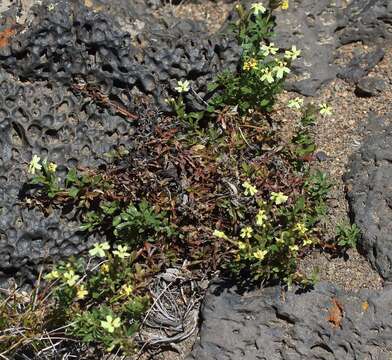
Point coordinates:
[(101, 296), (347, 235)]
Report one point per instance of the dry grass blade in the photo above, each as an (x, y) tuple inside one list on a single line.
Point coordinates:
[(173, 315)]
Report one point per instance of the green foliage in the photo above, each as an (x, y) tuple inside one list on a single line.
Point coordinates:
[(347, 235), (263, 66), (139, 223), (99, 296)]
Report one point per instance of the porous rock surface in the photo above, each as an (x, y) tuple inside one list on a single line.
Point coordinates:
[(369, 191), (325, 323)]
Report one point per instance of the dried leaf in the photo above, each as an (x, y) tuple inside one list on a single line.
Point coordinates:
[(335, 313)]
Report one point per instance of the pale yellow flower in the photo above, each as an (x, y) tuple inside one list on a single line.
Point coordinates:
[(267, 76), (260, 254), (294, 248), (81, 292), (325, 110), (52, 167), (246, 232), (182, 86), (307, 242), (241, 245), (261, 217), (280, 70), (126, 290), (249, 188), (301, 228), (278, 198), (121, 252), (34, 164), (269, 49), (99, 249), (111, 324), (70, 277), (104, 268), (295, 103), (258, 8), (293, 53), (54, 274)]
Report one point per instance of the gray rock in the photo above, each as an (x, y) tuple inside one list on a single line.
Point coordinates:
[(360, 65), (369, 192), (370, 86), (319, 27), (325, 323)]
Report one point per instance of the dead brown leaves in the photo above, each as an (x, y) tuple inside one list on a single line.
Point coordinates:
[(336, 314), (6, 35)]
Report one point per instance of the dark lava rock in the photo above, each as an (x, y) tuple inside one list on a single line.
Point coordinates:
[(369, 183), (325, 323), (360, 65), (67, 41), (370, 86)]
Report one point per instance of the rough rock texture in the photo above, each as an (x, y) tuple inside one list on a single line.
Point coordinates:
[(66, 41), (369, 192), (51, 122), (325, 323), (320, 27)]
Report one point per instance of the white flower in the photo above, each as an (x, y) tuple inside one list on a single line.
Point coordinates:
[(182, 86), (258, 8)]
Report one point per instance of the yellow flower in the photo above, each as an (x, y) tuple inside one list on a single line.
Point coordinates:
[(81, 292), (294, 248), (99, 249), (241, 245), (285, 5), (249, 188), (219, 234), (34, 165), (182, 86), (246, 232), (52, 167), (249, 64), (70, 277), (260, 254), (111, 324), (325, 110), (258, 8), (104, 268), (126, 290), (301, 228), (308, 242), (261, 217), (54, 274), (278, 198), (121, 251)]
